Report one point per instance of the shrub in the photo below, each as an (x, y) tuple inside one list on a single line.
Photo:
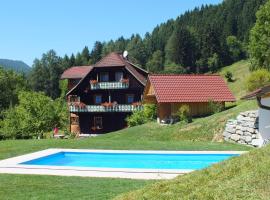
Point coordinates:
[(35, 115), (258, 79), (150, 111), (137, 118), (229, 76), (215, 107), (184, 113), (143, 116)]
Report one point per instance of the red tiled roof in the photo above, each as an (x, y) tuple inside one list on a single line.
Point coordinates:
[(76, 72), (111, 60), (115, 59), (190, 88)]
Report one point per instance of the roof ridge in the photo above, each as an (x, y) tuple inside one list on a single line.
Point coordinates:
[(109, 55), (184, 75)]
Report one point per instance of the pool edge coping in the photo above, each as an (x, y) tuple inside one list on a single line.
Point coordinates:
[(11, 165)]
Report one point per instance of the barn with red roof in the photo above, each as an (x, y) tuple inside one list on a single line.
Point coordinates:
[(170, 92)]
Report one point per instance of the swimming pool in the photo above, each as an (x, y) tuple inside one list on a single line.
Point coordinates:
[(131, 160), (113, 163)]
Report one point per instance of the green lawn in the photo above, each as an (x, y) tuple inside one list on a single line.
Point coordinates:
[(201, 134), (28, 187)]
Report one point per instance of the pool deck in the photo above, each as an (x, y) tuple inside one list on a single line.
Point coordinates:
[(12, 166)]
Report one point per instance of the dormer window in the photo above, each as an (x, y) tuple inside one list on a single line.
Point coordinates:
[(104, 77), (118, 76)]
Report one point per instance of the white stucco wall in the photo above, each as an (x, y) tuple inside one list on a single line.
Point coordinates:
[(264, 119)]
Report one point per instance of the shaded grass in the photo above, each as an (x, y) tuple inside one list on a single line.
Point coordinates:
[(244, 177)]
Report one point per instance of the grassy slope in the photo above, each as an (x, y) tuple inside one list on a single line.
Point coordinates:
[(195, 136), (240, 71), (245, 177)]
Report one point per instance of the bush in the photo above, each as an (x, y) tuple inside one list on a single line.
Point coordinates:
[(150, 111), (137, 118), (35, 115), (229, 76), (215, 107), (143, 116), (258, 79), (184, 113)]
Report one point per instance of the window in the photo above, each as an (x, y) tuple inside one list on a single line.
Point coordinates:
[(104, 77), (98, 122), (130, 98), (118, 76), (74, 98), (98, 99)]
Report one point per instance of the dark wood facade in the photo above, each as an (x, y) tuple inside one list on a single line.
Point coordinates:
[(101, 101)]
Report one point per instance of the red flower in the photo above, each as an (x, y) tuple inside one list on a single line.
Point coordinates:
[(93, 82), (125, 80)]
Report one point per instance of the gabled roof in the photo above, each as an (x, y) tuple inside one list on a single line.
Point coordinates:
[(115, 59), (76, 72), (258, 93), (190, 88), (111, 60)]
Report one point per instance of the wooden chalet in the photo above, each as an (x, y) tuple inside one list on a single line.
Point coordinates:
[(170, 92), (101, 96)]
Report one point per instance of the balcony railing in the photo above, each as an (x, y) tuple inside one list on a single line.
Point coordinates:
[(109, 85), (100, 108)]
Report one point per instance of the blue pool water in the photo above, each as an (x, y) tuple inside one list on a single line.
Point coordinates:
[(130, 160)]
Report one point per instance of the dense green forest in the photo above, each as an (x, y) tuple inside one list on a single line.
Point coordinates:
[(199, 41), (15, 65)]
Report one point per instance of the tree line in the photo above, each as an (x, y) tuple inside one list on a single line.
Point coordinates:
[(199, 41)]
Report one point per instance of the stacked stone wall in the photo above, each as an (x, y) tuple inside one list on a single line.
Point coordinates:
[(244, 129)]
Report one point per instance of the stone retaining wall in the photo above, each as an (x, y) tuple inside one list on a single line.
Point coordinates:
[(244, 129)]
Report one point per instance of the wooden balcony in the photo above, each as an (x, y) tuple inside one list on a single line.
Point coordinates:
[(101, 108), (108, 85)]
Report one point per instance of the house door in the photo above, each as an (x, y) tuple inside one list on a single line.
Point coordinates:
[(97, 124)]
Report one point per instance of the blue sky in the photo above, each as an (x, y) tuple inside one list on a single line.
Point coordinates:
[(32, 27)]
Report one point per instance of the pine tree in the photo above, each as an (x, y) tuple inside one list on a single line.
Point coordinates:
[(96, 52), (85, 56), (156, 62)]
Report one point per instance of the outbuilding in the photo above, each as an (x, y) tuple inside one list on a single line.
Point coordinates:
[(170, 92)]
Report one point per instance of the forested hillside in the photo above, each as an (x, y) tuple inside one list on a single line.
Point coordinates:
[(199, 41), (15, 65)]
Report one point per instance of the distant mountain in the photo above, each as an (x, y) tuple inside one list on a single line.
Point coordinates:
[(16, 65)]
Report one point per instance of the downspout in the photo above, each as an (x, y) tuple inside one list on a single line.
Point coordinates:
[(259, 101)]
